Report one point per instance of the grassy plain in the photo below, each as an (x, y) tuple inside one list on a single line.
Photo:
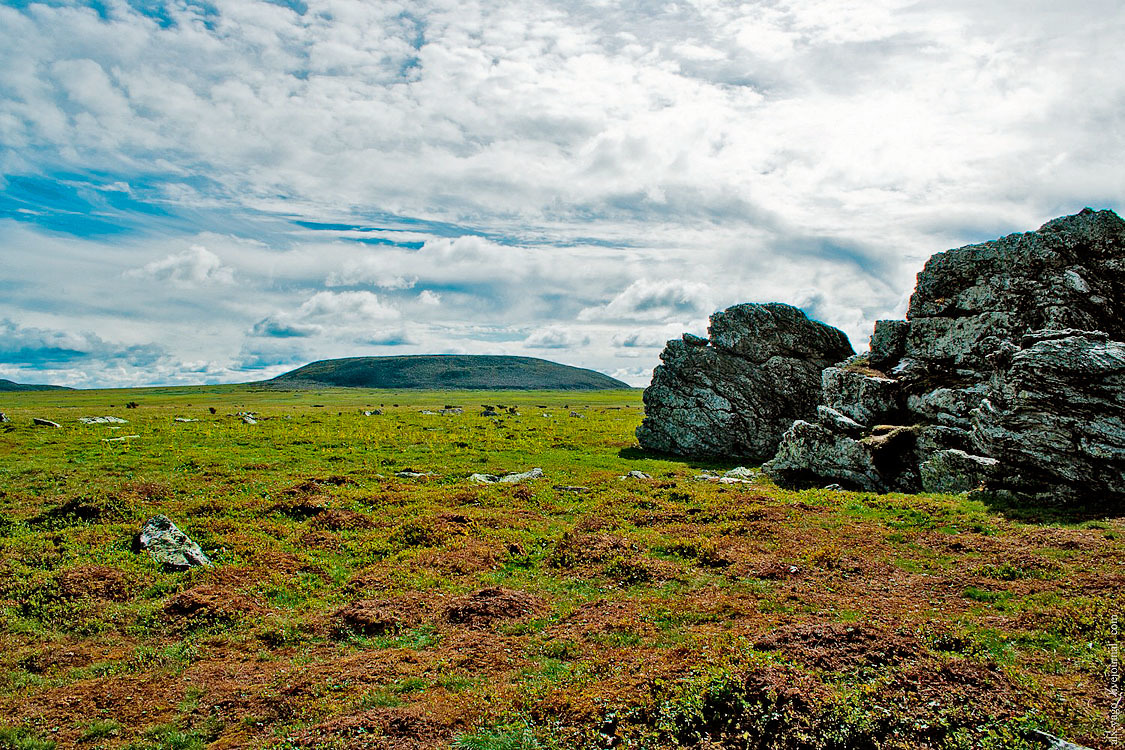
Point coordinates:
[(344, 606)]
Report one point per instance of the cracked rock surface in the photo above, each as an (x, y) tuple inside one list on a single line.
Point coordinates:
[(736, 392)]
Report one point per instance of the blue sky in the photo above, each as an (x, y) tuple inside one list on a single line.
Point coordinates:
[(217, 192)]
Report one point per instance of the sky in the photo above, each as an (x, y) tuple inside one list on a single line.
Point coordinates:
[(213, 192)]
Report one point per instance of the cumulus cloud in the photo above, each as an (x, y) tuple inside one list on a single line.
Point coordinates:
[(357, 316), (27, 346), (556, 337), (195, 266), (654, 301), (346, 308), (429, 297)]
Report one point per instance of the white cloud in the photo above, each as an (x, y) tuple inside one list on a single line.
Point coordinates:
[(346, 308), (195, 266), (556, 337), (654, 300), (337, 314), (429, 297)]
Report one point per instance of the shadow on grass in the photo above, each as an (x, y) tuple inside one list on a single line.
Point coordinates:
[(694, 463), (1027, 511)]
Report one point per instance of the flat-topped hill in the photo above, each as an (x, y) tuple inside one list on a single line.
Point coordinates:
[(8, 385), (447, 371)]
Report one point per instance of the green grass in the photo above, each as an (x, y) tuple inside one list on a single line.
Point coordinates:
[(649, 599)]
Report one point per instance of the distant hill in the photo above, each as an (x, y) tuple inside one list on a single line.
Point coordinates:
[(8, 385), (447, 372)]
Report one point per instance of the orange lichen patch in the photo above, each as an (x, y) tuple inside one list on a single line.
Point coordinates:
[(315, 485), (95, 582), (322, 540), (431, 531), (773, 569), (490, 606), (300, 506), (72, 655), (264, 565), (133, 700), (601, 616)]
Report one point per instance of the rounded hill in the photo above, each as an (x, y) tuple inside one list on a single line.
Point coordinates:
[(447, 372)]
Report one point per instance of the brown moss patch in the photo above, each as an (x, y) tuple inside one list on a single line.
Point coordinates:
[(490, 606), (837, 646), (380, 616), (339, 519), (95, 582), (209, 603)]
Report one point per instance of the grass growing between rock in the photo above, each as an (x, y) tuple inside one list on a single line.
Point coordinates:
[(350, 607)]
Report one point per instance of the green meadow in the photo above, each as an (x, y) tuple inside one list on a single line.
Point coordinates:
[(351, 607)]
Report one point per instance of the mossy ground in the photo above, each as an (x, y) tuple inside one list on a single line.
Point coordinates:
[(639, 613)]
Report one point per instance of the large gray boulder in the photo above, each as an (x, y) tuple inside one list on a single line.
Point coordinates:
[(1070, 273), (868, 399), (980, 399), (954, 471), (735, 393), (812, 455), (1055, 418)]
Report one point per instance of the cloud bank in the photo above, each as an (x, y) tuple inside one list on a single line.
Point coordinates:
[(233, 188)]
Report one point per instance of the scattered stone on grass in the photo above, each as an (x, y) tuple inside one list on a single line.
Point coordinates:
[(184, 419), (103, 420), (1051, 742), (373, 412), (635, 474), (414, 474), (506, 478), (4, 418), (169, 546), (738, 475), (570, 488), (39, 422), (119, 438), (247, 419)]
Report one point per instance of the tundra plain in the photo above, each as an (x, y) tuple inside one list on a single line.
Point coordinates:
[(351, 607)]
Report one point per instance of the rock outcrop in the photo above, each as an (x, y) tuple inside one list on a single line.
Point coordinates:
[(1055, 417), (1007, 374), (737, 391)]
